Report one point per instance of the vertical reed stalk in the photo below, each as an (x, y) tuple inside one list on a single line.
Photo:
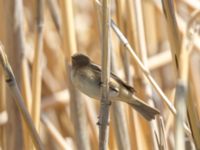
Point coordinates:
[(144, 83), (55, 13), (26, 93), (13, 12), (77, 109), (180, 102), (37, 70), (3, 113), (119, 117), (162, 144), (173, 33), (105, 61), (193, 99), (133, 119), (180, 61)]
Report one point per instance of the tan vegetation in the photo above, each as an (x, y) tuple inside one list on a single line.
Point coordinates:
[(152, 45)]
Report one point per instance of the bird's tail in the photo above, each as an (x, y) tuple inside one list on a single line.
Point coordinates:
[(145, 110)]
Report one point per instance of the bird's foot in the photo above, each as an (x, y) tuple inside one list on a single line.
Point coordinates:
[(99, 122)]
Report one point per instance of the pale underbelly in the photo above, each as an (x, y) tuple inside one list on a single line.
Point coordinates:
[(88, 86), (92, 89)]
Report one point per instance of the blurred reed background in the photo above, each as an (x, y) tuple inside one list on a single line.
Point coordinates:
[(39, 37)]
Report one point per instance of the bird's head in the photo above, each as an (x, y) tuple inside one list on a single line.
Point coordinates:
[(80, 60)]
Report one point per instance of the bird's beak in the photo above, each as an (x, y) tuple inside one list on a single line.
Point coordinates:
[(73, 58)]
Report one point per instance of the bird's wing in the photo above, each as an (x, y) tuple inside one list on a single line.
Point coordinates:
[(113, 87), (97, 69), (128, 87)]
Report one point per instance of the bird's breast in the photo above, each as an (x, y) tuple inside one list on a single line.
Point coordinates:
[(87, 82)]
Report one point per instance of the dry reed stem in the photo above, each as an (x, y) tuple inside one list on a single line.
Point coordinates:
[(119, 118), (67, 127), (10, 80), (192, 31), (140, 33), (187, 46), (77, 105), (56, 100), (62, 112), (162, 134), (68, 37), (26, 93), (151, 30), (105, 75), (13, 13), (193, 4), (181, 94), (159, 60), (180, 102), (173, 33), (91, 113), (55, 13), (146, 72), (112, 137), (134, 122), (49, 80), (133, 34), (170, 118), (26, 85), (130, 113), (25, 82), (181, 23), (3, 113), (37, 70), (141, 39), (54, 132), (118, 114), (193, 99), (46, 76), (78, 115)]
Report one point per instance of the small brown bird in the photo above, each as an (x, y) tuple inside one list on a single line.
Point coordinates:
[(86, 76)]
